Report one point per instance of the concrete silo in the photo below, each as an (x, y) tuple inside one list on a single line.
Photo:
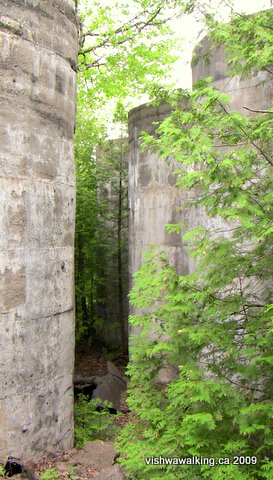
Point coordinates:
[(38, 64)]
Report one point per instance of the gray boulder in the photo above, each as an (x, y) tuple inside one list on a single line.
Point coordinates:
[(109, 387), (98, 455), (111, 473)]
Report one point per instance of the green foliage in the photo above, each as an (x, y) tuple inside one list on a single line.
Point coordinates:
[(251, 49), (100, 232), (124, 46), (124, 49), (87, 223), (50, 474), (216, 322), (2, 471), (91, 424), (72, 473)]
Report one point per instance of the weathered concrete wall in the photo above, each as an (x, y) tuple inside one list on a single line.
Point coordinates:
[(254, 92), (38, 60), (154, 200)]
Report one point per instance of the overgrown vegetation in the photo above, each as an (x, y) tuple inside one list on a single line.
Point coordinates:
[(101, 229), (124, 50), (50, 474), (91, 424), (216, 322)]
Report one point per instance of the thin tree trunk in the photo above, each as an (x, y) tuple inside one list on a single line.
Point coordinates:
[(124, 339), (82, 303)]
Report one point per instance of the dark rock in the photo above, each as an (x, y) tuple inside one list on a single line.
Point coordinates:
[(80, 380), (14, 466), (116, 372), (108, 388), (86, 390)]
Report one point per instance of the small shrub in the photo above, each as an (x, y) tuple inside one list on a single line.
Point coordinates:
[(2, 471), (71, 472), (50, 474), (91, 424)]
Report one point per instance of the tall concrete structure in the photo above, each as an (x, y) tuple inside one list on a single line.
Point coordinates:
[(38, 63), (254, 92), (154, 199)]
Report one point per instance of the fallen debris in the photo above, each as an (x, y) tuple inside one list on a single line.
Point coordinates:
[(14, 466)]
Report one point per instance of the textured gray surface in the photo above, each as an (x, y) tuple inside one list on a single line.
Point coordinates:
[(37, 203), (111, 473), (97, 454), (254, 92), (153, 198)]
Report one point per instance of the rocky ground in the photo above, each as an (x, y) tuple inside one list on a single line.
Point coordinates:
[(95, 461)]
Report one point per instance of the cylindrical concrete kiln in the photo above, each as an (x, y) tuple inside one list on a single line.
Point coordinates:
[(38, 63)]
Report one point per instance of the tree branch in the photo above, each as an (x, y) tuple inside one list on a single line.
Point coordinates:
[(251, 141), (135, 26), (258, 111)]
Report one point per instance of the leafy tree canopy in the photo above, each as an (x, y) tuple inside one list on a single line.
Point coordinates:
[(124, 46)]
